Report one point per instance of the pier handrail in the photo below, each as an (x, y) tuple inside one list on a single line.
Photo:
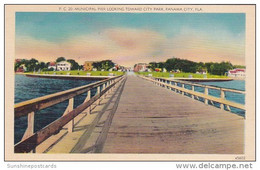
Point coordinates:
[(202, 85), (222, 100), (24, 108), (28, 108)]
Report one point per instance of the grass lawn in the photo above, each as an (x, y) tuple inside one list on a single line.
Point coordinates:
[(184, 75), (76, 72)]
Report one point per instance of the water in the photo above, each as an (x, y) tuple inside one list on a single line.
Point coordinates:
[(234, 84), (231, 96), (235, 97), (27, 88)]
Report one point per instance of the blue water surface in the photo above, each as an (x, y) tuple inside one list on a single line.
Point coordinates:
[(235, 97)]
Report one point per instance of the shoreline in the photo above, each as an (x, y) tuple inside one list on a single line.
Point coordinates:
[(74, 77)]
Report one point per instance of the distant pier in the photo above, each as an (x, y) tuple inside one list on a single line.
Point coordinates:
[(70, 77)]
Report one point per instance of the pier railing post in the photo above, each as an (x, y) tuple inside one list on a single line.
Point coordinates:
[(206, 92), (228, 108), (103, 88), (107, 85), (183, 88), (69, 108), (162, 82), (98, 92), (173, 83), (87, 99), (192, 88), (166, 82), (30, 126), (222, 96)]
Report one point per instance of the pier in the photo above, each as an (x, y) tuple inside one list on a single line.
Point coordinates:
[(131, 114)]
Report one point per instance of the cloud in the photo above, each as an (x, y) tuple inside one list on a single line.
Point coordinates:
[(129, 46), (141, 40), (202, 46), (119, 44)]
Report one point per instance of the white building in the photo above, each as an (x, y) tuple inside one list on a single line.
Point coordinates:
[(52, 65), (239, 73), (63, 66), (141, 67)]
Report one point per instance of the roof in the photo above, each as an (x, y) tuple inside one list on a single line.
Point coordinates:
[(18, 60), (237, 70), (52, 64)]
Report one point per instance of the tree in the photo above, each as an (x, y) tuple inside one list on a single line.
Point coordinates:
[(60, 59), (42, 65), (220, 68), (160, 65), (211, 68), (199, 68), (239, 66), (107, 64), (104, 64), (152, 65), (17, 65), (81, 67), (208, 66), (170, 64), (32, 64), (97, 65), (74, 64)]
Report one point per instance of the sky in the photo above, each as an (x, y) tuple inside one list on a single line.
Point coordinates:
[(130, 38)]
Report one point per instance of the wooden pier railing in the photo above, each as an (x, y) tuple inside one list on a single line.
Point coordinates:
[(172, 85), (28, 108)]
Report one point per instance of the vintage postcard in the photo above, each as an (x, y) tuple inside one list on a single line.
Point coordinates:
[(130, 82)]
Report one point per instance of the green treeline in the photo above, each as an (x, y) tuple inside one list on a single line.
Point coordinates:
[(173, 64), (104, 64), (35, 65)]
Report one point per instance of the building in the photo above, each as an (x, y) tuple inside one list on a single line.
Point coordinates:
[(63, 66), (21, 68), (52, 65), (116, 67), (88, 65), (238, 72), (140, 67), (202, 71), (128, 68), (18, 60)]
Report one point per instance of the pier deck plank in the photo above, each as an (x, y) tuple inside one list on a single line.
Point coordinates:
[(152, 119)]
